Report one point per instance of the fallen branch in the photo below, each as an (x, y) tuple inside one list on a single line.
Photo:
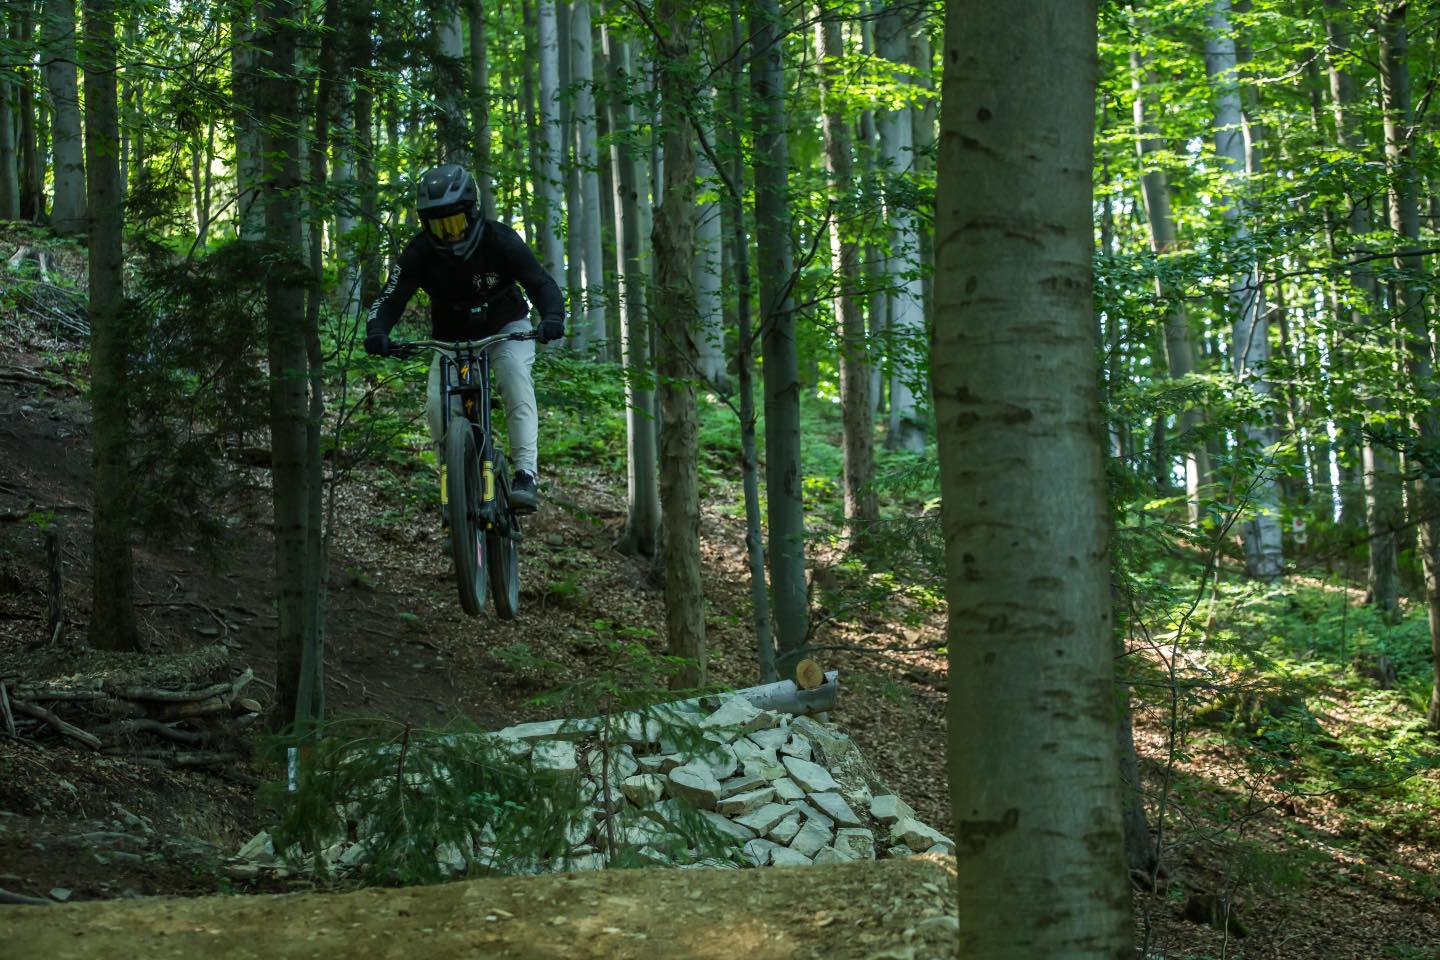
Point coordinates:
[(5, 709), (227, 688), (67, 729), (125, 728)]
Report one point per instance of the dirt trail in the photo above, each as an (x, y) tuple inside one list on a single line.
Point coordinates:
[(886, 910)]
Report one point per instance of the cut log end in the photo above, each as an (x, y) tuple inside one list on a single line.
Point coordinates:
[(809, 675)]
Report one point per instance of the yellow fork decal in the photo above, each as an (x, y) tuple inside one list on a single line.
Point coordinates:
[(489, 475), (444, 488)]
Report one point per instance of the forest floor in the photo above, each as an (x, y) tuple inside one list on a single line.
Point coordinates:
[(1303, 878)]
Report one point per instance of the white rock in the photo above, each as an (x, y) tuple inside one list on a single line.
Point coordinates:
[(719, 757), (758, 761), (550, 730), (577, 830), (811, 838), (774, 738), (450, 857), (733, 719), (589, 861), (659, 763), (855, 843), (834, 806), (695, 784), (898, 853), (831, 855), (667, 813), (259, 847), (643, 789), (787, 789), (887, 808), (621, 763), (727, 827), (757, 851), (554, 756), (788, 857), (357, 854), (785, 830), (917, 836), (811, 813), (741, 784), (797, 746), (764, 819), (944, 849), (742, 803), (811, 776)]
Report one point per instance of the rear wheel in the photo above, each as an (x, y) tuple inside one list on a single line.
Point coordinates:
[(504, 554), (463, 491)]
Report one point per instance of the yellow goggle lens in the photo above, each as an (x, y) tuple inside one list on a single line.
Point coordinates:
[(450, 229)]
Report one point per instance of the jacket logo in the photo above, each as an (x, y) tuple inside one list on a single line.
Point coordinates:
[(485, 281)]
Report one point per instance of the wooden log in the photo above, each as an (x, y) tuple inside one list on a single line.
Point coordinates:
[(124, 728), (785, 697), (67, 729), (809, 674), (228, 689), (21, 900)]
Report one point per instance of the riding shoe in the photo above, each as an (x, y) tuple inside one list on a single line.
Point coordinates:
[(523, 496)]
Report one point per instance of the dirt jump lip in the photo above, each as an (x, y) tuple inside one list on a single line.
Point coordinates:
[(839, 912)]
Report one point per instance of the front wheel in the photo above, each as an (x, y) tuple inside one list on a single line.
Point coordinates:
[(462, 488)]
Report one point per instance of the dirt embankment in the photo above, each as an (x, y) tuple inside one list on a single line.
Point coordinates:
[(887, 910)]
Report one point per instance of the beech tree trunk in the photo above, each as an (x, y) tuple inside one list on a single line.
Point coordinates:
[(861, 505), (643, 501), (783, 475), (480, 106), (1034, 773), (709, 302), (244, 81), (1411, 307), (1179, 344), (676, 355), (67, 210), (1264, 554), (906, 331), (112, 623), (450, 82), (32, 172), (548, 183), (587, 219)]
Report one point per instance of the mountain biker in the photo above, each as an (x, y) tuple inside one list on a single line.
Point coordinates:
[(469, 267)]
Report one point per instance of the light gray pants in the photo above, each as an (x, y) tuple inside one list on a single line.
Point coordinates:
[(510, 364)]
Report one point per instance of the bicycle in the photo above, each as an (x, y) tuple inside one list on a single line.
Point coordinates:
[(485, 533)]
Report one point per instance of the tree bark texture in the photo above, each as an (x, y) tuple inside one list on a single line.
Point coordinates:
[(906, 329), (450, 82), (674, 244), (1034, 774), (288, 358), (32, 171), (480, 106), (1250, 350), (862, 508), (709, 300), (244, 81), (112, 625), (67, 210), (775, 260), (643, 501), (587, 219), (1411, 307), (9, 147), (745, 364), (548, 182)]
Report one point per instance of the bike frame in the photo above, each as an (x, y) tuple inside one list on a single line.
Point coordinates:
[(465, 373)]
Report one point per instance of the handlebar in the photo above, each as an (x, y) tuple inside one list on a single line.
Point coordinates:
[(408, 348)]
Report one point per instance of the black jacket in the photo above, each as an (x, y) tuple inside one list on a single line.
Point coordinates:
[(488, 276)]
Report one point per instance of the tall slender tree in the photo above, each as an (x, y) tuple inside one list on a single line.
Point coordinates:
[(112, 623), (588, 218), (9, 147), (1250, 346), (549, 185), (861, 505), (1033, 768), (676, 354), (480, 106), (775, 260)]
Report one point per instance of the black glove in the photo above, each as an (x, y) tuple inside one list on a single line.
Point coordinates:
[(551, 330), (378, 344)]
